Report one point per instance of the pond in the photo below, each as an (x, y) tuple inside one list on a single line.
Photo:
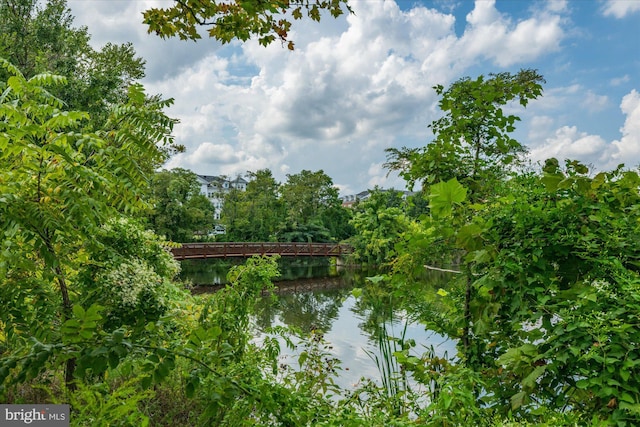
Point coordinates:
[(318, 296)]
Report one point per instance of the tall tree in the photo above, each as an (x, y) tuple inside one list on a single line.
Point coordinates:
[(40, 37), (307, 194), (265, 209), (472, 140), (180, 210), (379, 222), (58, 185), (269, 21)]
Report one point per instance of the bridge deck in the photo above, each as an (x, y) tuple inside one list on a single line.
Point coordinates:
[(230, 249)]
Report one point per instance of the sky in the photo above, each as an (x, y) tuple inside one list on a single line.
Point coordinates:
[(362, 83)]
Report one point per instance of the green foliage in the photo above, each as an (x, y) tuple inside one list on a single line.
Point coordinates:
[(312, 208), (307, 194), (545, 310), (129, 274), (544, 305), (180, 210), (444, 195), (395, 387), (294, 232), (378, 230), (550, 284), (256, 214), (238, 20), (558, 259), (305, 209), (379, 223), (102, 404), (472, 140), (39, 37), (57, 186)]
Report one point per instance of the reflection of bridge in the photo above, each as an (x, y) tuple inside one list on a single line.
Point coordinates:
[(230, 249)]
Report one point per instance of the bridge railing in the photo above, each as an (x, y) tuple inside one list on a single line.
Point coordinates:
[(235, 249)]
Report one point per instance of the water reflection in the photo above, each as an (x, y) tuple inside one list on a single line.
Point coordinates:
[(305, 310), (213, 272), (320, 298)]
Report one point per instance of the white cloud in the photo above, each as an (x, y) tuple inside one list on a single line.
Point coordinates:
[(569, 143), (353, 87), (620, 8), (121, 22), (371, 85), (493, 35), (594, 103), (540, 128), (557, 6), (620, 80), (628, 146)]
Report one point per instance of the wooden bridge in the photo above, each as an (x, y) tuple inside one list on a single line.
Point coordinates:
[(230, 249)]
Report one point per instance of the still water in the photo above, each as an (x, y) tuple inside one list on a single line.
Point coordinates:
[(318, 296)]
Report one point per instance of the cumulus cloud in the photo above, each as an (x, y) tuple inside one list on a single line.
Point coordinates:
[(353, 87), (569, 143), (494, 36), (121, 22), (620, 8), (370, 85), (627, 148)]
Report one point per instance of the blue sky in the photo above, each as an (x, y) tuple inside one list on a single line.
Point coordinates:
[(362, 83)]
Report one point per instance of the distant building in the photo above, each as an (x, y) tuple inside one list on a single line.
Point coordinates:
[(350, 200), (215, 188)]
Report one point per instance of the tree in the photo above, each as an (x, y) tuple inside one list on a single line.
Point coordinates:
[(307, 194), (557, 271), (472, 140), (310, 199), (264, 209), (379, 223), (180, 210), (39, 37), (58, 184), (269, 21)]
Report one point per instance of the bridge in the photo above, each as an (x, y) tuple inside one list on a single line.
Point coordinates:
[(248, 249)]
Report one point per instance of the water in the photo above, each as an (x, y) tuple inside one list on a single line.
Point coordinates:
[(320, 299)]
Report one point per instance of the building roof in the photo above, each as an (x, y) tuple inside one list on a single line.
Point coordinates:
[(216, 181)]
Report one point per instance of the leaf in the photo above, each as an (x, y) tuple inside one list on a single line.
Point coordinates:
[(583, 384), (376, 279), (114, 360), (190, 389), (302, 358), (633, 408), (551, 181), (78, 311), (468, 237), (517, 400), (530, 380), (444, 195)]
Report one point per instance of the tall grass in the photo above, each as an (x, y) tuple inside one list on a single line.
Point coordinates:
[(395, 382)]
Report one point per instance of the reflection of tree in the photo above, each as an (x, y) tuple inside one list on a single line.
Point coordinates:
[(387, 299), (214, 271), (304, 268), (206, 271), (302, 310)]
